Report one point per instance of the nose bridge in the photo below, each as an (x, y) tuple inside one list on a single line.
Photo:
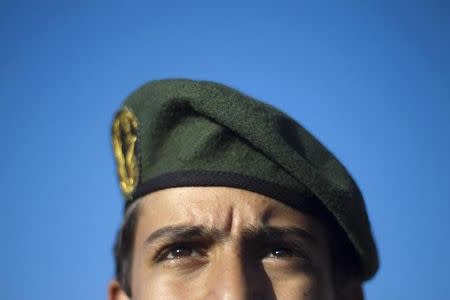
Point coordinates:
[(227, 278)]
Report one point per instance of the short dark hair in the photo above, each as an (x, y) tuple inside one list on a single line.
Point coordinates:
[(345, 262), (344, 259), (123, 247)]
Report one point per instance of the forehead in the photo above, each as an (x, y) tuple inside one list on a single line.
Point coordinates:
[(223, 208)]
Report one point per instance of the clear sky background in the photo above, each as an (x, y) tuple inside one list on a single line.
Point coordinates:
[(371, 81)]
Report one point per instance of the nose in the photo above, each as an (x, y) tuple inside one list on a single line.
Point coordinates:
[(228, 280), (233, 276)]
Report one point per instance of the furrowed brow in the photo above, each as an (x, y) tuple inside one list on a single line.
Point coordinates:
[(183, 233)]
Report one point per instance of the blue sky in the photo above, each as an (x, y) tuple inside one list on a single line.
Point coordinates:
[(370, 80)]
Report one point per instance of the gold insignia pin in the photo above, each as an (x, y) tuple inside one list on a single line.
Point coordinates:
[(124, 137)]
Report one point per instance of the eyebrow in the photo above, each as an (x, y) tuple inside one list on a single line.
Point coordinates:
[(183, 233), (254, 233), (271, 233)]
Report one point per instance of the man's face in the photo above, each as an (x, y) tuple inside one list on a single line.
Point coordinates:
[(226, 243)]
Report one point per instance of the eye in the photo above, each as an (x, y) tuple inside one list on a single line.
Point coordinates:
[(179, 252), (286, 252), (280, 253)]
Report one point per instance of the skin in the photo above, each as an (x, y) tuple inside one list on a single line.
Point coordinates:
[(227, 243)]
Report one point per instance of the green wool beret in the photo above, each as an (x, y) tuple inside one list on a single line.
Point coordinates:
[(180, 132)]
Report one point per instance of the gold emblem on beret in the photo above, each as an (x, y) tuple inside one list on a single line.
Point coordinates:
[(124, 138)]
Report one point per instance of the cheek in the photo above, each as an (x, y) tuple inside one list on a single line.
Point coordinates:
[(290, 285), (160, 285)]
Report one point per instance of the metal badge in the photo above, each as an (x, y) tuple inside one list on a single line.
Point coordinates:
[(124, 138)]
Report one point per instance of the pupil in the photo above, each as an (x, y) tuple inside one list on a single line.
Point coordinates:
[(181, 251), (281, 252)]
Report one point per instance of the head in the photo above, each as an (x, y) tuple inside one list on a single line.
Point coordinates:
[(229, 198)]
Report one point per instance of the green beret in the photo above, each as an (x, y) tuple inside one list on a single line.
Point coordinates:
[(179, 132)]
